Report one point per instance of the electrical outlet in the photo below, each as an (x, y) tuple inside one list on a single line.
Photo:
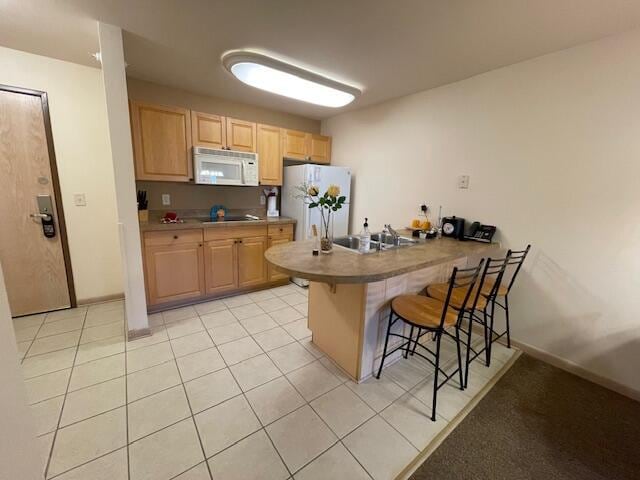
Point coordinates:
[(263, 200), (166, 199), (80, 200), (463, 181)]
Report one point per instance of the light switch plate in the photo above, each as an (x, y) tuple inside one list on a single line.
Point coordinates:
[(79, 200), (463, 181), (166, 199)]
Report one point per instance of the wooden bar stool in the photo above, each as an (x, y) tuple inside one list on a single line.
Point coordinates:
[(478, 310), (432, 316), (516, 259)]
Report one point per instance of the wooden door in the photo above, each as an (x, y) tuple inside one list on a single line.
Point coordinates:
[(161, 142), (269, 155), (221, 265), (208, 130), (252, 268), (174, 272), (294, 144), (241, 135), (274, 274), (319, 148), (36, 268)]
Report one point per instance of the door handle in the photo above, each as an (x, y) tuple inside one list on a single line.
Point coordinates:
[(40, 215)]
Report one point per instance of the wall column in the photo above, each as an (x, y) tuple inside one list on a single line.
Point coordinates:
[(115, 87), (20, 455)]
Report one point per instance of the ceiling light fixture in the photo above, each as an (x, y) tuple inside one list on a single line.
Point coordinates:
[(275, 76)]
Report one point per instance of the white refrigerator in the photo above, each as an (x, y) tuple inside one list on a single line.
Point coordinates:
[(320, 176)]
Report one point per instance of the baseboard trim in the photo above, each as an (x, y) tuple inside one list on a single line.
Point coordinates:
[(576, 369), (102, 299), (446, 431), (139, 333)]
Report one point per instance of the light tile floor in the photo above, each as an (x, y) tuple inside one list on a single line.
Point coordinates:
[(228, 389)]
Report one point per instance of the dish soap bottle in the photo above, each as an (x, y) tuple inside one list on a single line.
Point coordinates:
[(365, 237)]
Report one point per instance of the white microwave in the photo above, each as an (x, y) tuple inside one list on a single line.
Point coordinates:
[(224, 167)]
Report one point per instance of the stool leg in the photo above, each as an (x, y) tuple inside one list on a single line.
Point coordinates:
[(487, 339), (386, 344), (415, 345), (406, 352), (466, 370), (459, 358), (490, 345), (435, 378), (506, 313)]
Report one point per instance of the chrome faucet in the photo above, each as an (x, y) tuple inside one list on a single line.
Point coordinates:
[(393, 233)]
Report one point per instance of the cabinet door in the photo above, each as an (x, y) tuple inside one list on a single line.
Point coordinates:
[(274, 274), (269, 156), (208, 130), (294, 144), (252, 268), (241, 135), (174, 272), (319, 148), (221, 265), (161, 142)]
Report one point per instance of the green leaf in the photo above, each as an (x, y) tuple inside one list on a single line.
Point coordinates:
[(342, 199), (313, 205)]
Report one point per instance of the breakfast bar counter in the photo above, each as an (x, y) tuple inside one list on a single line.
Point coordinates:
[(349, 292)]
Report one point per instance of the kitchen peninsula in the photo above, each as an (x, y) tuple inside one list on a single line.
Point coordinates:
[(349, 292)]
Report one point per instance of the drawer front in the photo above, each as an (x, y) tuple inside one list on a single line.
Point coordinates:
[(175, 237), (281, 229), (235, 232)]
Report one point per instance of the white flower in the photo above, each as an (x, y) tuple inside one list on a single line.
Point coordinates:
[(312, 191)]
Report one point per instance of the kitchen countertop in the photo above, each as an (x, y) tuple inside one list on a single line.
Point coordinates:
[(344, 266), (199, 223)]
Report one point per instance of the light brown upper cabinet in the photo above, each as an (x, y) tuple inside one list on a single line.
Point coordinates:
[(208, 130), (294, 144), (269, 155), (306, 146), (319, 148), (241, 135), (161, 142)]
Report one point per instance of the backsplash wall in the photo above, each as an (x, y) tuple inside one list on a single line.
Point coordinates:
[(185, 196)]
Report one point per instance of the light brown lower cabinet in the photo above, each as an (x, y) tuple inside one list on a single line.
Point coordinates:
[(174, 272), (196, 263), (274, 274), (252, 267), (220, 265)]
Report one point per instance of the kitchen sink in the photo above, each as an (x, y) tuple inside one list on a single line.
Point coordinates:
[(388, 240), (379, 242)]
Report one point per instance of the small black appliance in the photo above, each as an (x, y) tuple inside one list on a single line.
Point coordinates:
[(453, 227)]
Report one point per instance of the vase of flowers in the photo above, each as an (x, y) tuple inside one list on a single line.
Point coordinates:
[(329, 202)]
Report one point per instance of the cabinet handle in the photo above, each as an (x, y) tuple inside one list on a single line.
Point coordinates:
[(175, 237), (199, 244), (239, 241)]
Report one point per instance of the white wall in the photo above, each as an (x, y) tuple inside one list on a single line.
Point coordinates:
[(20, 453), (81, 139), (552, 147)]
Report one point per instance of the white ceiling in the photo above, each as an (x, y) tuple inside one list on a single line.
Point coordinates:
[(388, 48)]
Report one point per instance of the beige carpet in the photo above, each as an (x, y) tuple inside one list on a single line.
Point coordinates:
[(540, 422)]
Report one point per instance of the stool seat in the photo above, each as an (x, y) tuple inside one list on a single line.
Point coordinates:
[(488, 285), (422, 311), (439, 292)]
